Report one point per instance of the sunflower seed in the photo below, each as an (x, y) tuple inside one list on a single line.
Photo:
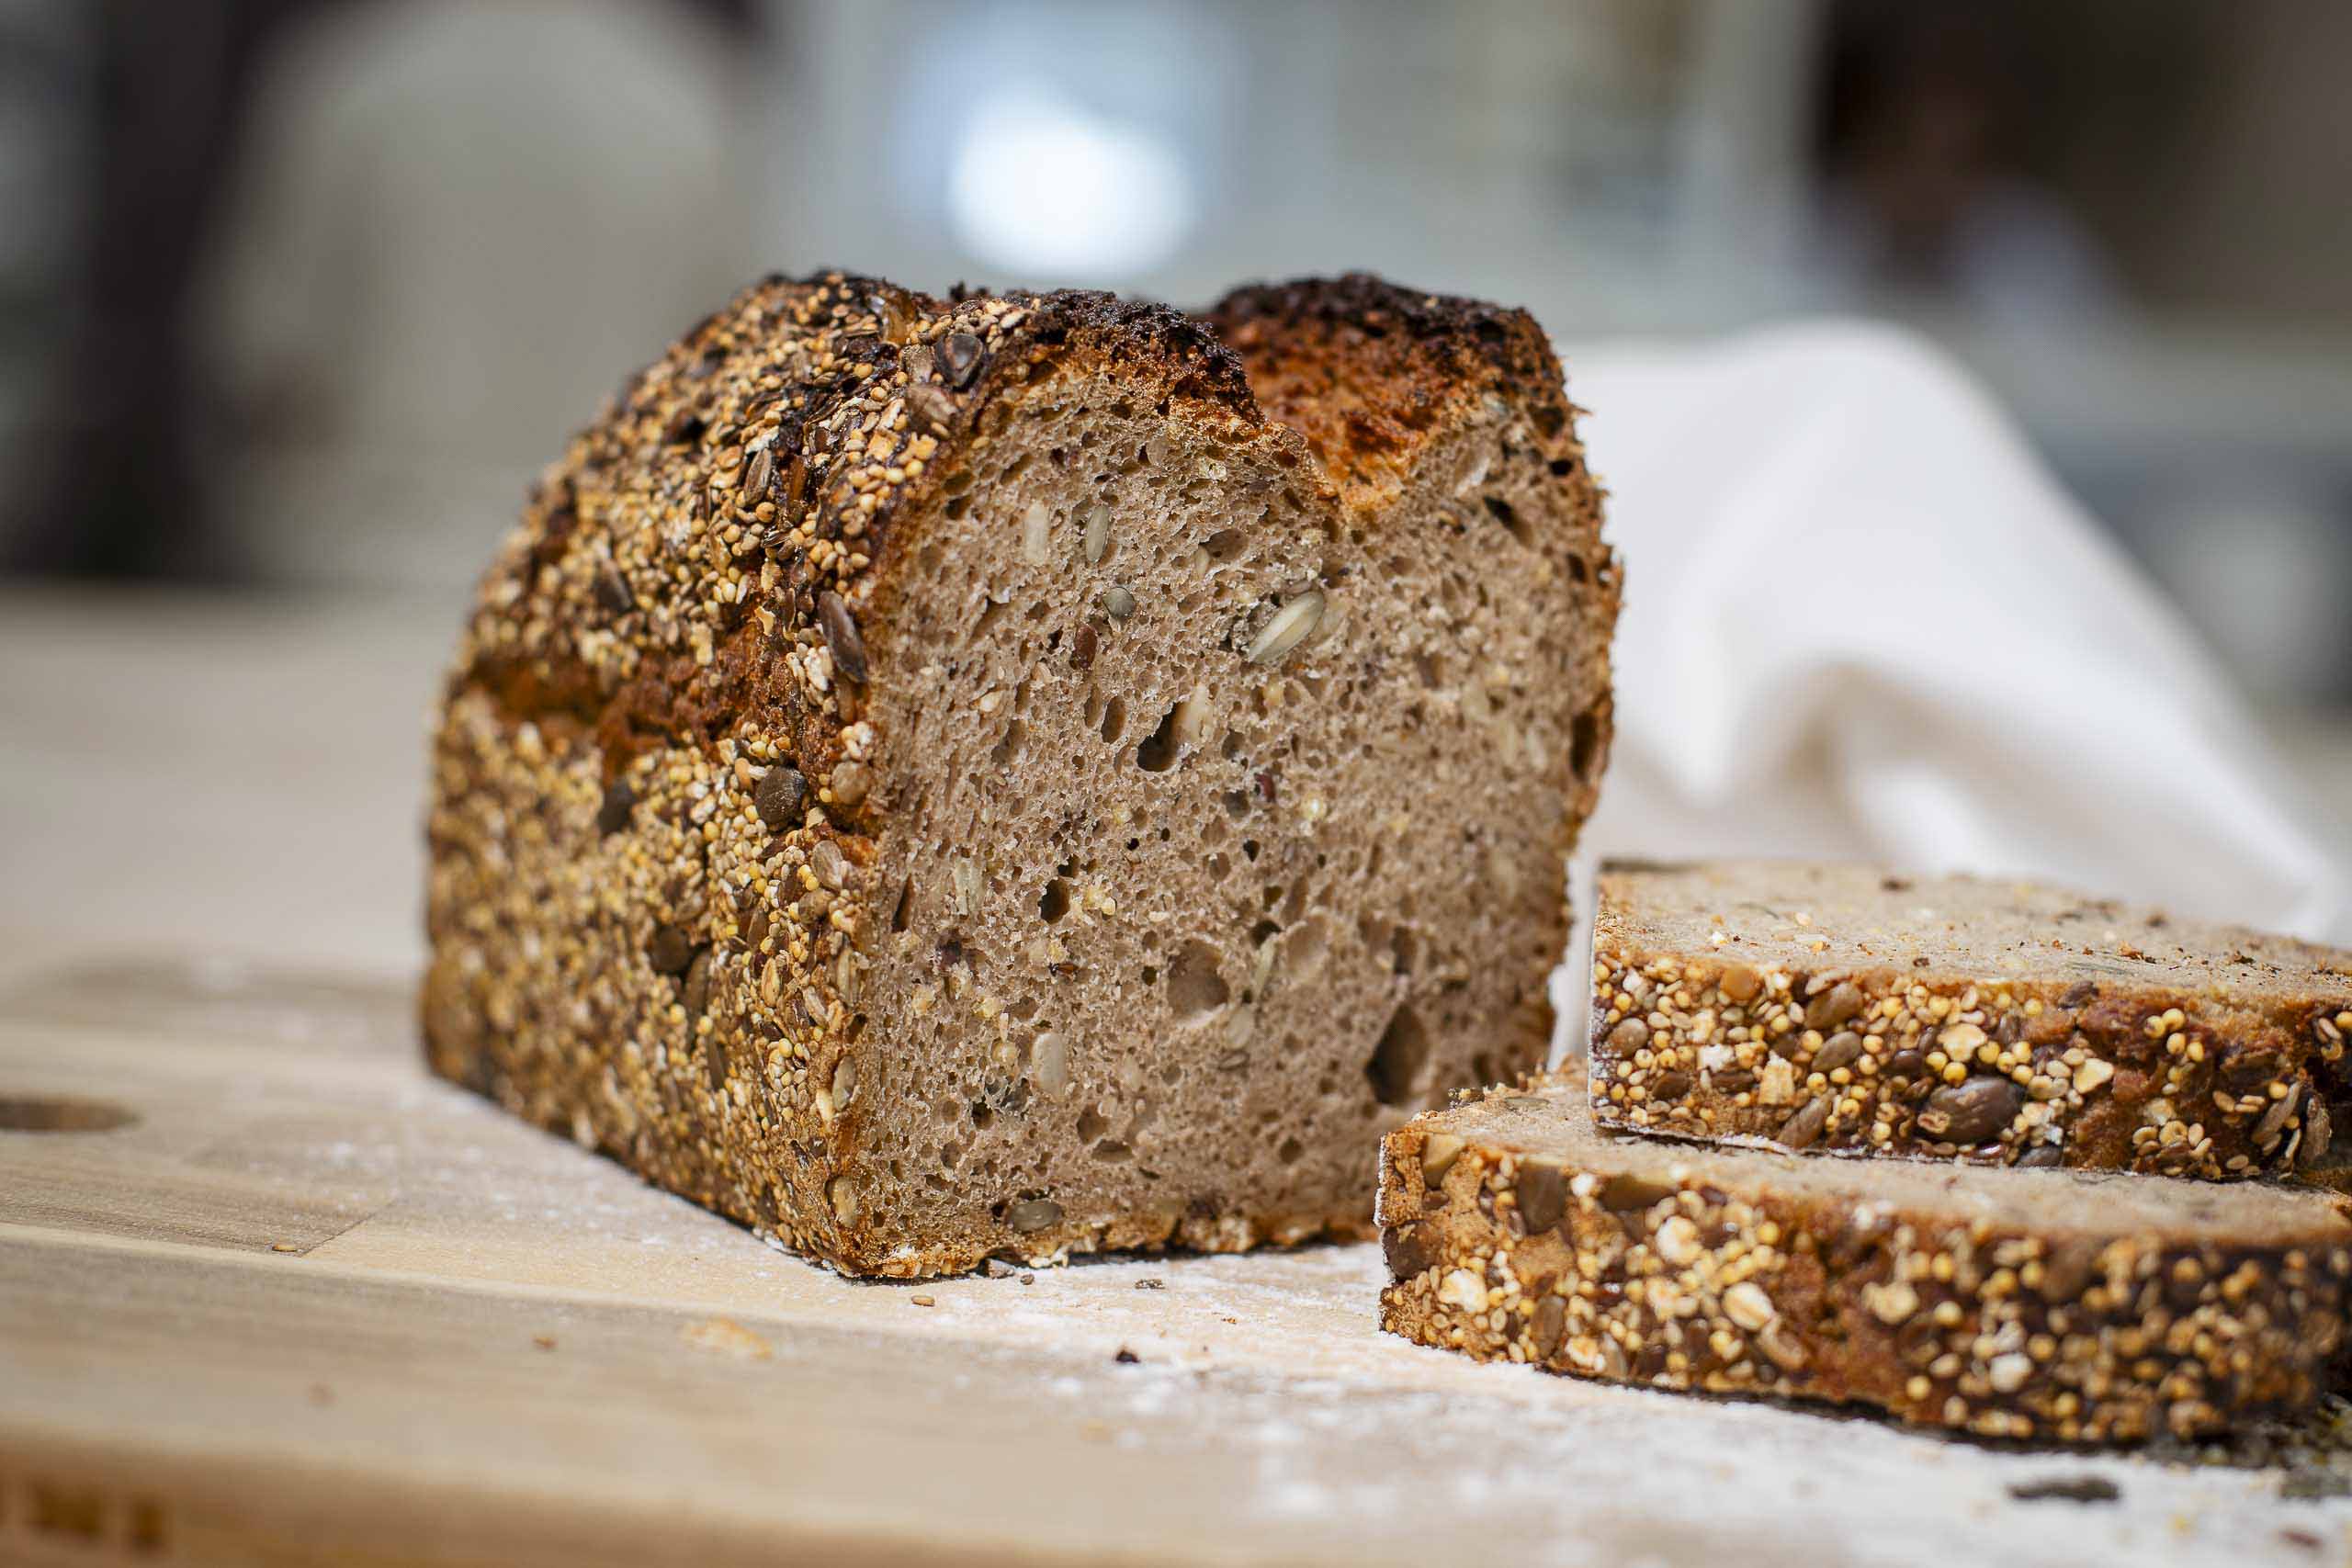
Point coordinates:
[(1097, 531), (1035, 524), (1974, 1112), (1828, 1010), (842, 636), (959, 358), (1799, 1131), (1291, 625), (779, 798), (1840, 1050), (930, 404), (1049, 1065), (611, 813)]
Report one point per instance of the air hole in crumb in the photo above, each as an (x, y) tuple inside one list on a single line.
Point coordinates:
[(981, 1116), (1194, 985), (1230, 747), (1053, 903), (1403, 949), (957, 508), (1110, 1151), (1225, 544), (1372, 861), (1151, 974), (1503, 513), (900, 912), (1290, 1151), (1009, 747), (1114, 719), (1397, 1062), (1484, 1068), (1237, 803), (1563, 467), (1219, 867), (1577, 570), (1262, 930), (991, 609), (1091, 1124), (1160, 749), (1012, 469), (1584, 744), (1249, 848)]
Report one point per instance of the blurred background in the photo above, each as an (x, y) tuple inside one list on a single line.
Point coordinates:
[(296, 295)]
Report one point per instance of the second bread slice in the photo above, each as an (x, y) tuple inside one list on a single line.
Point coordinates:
[(2013, 1303)]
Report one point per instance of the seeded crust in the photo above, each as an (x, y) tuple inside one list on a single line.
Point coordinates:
[(2084, 1307), (940, 778), (1848, 1011)]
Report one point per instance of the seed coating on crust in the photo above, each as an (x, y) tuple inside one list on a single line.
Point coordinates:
[(1848, 1011), (2084, 1308)]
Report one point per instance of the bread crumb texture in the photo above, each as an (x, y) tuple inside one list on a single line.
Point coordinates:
[(1023, 774)]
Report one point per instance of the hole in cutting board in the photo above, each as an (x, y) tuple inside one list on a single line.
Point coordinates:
[(21, 1113)]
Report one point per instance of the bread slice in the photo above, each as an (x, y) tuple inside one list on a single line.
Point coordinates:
[(934, 778), (2014, 1303), (1843, 1010)]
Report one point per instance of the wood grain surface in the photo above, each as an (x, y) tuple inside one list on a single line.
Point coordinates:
[(307, 1304)]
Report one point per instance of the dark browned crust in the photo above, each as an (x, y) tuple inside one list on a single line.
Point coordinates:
[(1364, 369), (690, 604), (2031, 1326), (2098, 1061)]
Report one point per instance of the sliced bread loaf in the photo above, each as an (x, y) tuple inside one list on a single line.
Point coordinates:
[(931, 778), (1843, 1010), (2013, 1303)]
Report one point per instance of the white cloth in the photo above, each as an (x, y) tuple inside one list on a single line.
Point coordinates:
[(1862, 622)]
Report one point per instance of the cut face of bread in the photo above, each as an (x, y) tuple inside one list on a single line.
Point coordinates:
[(1844, 1009), (936, 779), (2013, 1303)]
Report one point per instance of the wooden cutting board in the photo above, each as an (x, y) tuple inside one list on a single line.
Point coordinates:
[(269, 1294)]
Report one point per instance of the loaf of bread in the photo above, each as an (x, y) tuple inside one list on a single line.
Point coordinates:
[(1032, 774), (1848, 1011), (2013, 1303)]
